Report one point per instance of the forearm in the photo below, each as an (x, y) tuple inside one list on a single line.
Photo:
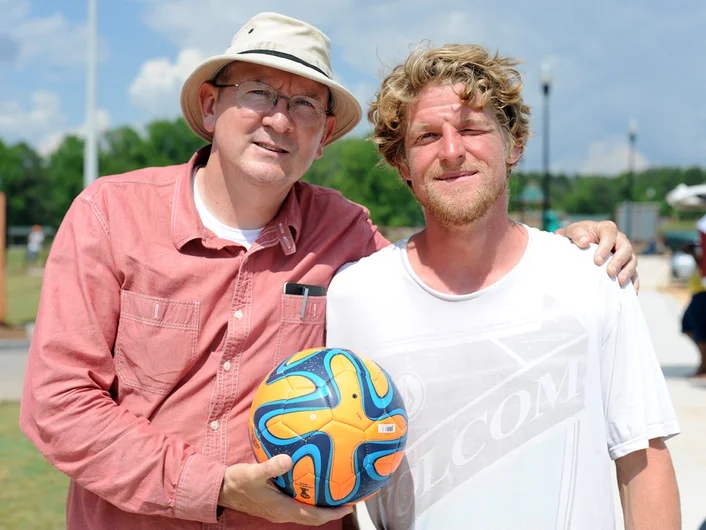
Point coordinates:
[(108, 450), (648, 489), (67, 409)]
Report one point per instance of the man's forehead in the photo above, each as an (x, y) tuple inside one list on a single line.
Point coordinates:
[(463, 113)]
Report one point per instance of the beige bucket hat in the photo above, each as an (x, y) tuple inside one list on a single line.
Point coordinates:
[(280, 42)]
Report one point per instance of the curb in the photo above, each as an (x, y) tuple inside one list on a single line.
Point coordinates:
[(14, 344)]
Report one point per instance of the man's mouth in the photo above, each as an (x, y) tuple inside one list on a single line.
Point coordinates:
[(456, 176), (270, 147)]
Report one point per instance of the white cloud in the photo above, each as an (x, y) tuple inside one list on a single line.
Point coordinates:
[(158, 84), (611, 157), (43, 122), (51, 142), (44, 113), (40, 41)]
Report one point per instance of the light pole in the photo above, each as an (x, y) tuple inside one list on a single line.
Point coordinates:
[(632, 137), (90, 150), (546, 80)]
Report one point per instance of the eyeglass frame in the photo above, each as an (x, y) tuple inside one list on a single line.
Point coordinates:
[(328, 110)]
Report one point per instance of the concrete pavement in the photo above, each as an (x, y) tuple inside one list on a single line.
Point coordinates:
[(13, 358), (677, 355)]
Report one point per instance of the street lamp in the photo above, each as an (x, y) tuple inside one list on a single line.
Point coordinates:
[(632, 137), (546, 80)]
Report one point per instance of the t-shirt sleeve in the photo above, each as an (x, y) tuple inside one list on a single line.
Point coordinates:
[(638, 407)]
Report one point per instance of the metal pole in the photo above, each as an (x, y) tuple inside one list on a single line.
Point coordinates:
[(546, 181), (632, 137), (90, 154)]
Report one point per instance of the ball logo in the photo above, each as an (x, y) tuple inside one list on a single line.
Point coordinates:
[(305, 494)]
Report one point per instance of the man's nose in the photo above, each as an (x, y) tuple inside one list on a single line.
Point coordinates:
[(280, 117), (452, 150)]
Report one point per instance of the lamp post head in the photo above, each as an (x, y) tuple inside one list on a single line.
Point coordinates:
[(632, 129), (545, 76)]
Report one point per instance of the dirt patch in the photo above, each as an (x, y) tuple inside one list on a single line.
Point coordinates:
[(12, 333)]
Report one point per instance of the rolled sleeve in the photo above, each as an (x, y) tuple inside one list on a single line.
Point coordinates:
[(198, 489), (638, 405)]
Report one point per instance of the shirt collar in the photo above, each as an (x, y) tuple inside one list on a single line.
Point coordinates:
[(186, 222)]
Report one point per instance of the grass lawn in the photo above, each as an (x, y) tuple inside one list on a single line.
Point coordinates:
[(23, 286), (32, 492)]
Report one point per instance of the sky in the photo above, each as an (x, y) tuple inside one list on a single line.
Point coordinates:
[(611, 62)]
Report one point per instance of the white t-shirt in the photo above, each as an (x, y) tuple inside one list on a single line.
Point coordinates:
[(243, 237), (517, 395)]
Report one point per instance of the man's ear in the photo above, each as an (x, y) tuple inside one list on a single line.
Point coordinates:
[(329, 127), (514, 156), (403, 169), (208, 97)]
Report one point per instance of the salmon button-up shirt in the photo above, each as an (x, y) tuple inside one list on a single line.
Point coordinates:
[(153, 335)]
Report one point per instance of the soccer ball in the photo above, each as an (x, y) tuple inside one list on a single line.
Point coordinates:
[(338, 416)]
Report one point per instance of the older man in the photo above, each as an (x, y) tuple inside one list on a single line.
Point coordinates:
[(524, 368), (171, 292)]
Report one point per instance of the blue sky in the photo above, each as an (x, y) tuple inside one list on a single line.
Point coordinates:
[(611, 62)]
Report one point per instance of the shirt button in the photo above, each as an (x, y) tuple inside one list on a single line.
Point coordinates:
[(226, 366), (238, 314), (214, 425)]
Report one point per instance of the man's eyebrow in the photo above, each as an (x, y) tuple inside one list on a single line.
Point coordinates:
[(418, 127), (475, 120)]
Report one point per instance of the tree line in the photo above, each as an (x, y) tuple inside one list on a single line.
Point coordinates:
[(39, 189)]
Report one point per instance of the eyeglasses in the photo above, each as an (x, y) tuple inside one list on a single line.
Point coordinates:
[(259, 97)]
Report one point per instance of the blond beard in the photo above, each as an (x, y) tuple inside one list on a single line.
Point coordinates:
[(455, 211)]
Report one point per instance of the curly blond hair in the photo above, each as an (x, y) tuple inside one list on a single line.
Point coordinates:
[(492, 78)]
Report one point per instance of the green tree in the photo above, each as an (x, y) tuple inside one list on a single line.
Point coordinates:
[(65, 167), (352, 167), (23, 180)]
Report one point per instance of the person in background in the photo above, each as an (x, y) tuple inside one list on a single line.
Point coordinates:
[(693, 323), (35, 239)]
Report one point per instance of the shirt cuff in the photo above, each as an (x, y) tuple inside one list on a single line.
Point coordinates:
[(198, 489), (664, 431)]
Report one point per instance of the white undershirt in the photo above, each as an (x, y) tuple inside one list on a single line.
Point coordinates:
[(242, 237)]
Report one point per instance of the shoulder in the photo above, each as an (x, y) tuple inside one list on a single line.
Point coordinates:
[(371, 269), (327, 199), (573, 277), (558, 253), (151, 179)]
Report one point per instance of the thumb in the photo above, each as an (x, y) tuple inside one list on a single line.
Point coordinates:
[(274, 467)]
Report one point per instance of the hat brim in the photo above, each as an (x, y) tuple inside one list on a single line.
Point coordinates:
[(347, 110)]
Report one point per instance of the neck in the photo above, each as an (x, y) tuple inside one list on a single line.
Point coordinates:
[(465, 259), (234, 201)]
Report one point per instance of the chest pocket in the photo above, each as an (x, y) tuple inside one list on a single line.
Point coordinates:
[(156, 341), (299, 329)]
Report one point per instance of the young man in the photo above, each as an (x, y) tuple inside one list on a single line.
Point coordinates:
[(524, 368), (164, 302)]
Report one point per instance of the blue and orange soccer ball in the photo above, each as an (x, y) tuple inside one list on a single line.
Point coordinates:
[(341, 419)]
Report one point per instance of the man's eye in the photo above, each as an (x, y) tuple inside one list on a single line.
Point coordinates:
[(304, 103), (260, 92), (426, 136)]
